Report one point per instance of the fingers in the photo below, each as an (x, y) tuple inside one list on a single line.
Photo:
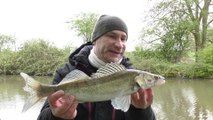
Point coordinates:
[(68, 108), (68, 103), (72, 109), (141, 102), (150, 94), (54, 97), (143, 98), (63, 106)]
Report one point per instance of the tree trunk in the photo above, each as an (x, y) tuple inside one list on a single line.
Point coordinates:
[(204, 14)]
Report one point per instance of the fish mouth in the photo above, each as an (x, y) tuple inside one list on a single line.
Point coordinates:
[(160, 82)]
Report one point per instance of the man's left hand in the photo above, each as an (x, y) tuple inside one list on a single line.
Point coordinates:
[(143, 98)]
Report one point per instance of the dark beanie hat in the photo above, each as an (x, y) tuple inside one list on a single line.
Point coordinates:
[(106, 24)]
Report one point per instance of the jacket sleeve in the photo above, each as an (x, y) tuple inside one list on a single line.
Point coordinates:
[(46, 113), (140, 114)]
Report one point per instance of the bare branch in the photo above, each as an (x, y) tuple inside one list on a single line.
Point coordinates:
[(197, 4), (209, 22)]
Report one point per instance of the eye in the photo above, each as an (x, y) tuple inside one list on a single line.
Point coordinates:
[(149, 80), (111, 35), (156, 77), (123, 39)]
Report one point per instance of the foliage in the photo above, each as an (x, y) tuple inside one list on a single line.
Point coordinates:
[(8, 63), (169, 38), (169, 31), (145, 60), (39, 57), (174, 42), (6, 42), (83, 24), (141, 53), (197, 70), (206, 55), (168, 69), (210, 35), (198, 12), (35, 57), (173, 70), (172, 25)]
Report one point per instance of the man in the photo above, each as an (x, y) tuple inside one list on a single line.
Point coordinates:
[(108, 45)]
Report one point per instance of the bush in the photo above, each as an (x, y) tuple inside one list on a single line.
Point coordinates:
[(38, 57), (197, 70), (206, 55), (8, 63), (173, 70)]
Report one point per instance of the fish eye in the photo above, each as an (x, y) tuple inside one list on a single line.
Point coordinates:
[(156, 77), (149, 80)]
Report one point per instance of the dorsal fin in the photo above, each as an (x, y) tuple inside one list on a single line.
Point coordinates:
[(75, 75), (108, 69)]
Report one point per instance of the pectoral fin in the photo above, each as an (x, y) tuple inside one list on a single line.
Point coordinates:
[(121, 103)]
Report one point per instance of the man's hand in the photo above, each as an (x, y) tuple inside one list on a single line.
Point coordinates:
[(62, 106), (143, 98)]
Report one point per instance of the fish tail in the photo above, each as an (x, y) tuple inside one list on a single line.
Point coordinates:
[(34, 88)]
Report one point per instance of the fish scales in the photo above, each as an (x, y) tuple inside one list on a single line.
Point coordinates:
[(99, 89)]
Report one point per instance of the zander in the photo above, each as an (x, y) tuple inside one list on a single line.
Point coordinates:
[(111, 82)]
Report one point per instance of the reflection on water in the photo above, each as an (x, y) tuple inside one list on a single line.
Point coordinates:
[(13, 97), (184, 100), (176, 100)]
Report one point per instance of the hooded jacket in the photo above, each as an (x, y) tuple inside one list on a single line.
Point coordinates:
[(95, 110)]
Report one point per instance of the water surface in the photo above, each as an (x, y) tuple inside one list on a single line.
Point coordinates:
[(184, 100), (175, 100)]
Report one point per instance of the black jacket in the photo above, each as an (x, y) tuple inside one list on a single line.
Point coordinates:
[(96, 110)]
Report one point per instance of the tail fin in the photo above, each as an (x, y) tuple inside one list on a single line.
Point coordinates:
[(33, 87)]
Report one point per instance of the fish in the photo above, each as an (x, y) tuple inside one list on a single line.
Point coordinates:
[(111, 82)]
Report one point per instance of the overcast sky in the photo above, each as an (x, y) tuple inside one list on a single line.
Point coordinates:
[(28, 19)]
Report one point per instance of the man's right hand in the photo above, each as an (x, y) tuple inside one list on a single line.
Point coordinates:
[(63, 106)]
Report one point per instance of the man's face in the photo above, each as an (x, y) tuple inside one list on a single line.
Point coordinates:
[(111, 46)]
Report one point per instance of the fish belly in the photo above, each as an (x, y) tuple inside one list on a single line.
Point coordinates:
[(103, 91)]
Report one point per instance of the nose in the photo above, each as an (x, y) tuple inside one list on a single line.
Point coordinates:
[(119, 43)]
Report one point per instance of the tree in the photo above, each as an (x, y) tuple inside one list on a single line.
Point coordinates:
[(83, 24), (193, 13), (169, 30), (198, 11), (6, 41)]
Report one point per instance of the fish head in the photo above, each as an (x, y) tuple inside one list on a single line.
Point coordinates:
[(147, 80)]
